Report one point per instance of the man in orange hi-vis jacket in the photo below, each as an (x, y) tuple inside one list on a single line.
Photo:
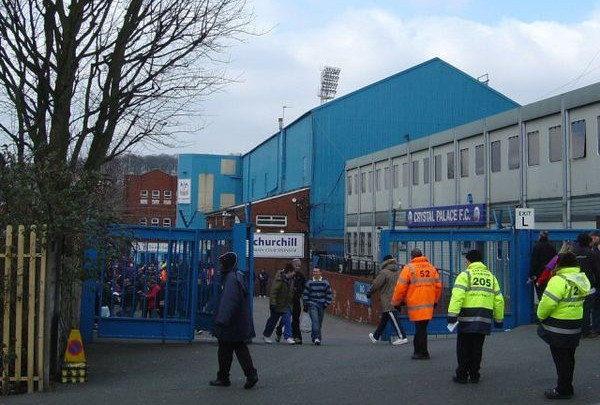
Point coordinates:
[(420, 287)]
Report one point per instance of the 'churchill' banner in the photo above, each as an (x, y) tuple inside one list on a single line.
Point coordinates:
[(279, 245), (453, 215)]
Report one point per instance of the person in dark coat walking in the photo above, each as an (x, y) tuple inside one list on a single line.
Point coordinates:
[(543, 251), (233, 323)]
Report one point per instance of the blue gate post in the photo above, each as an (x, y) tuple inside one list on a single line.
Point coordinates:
[(241, 234), (88, 297), (384, 244), (524, 297)]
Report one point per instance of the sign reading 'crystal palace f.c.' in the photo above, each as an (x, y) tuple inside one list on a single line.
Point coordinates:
[(452, 215)]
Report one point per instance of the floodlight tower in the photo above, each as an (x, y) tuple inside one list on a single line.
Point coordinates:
[(329, 81)]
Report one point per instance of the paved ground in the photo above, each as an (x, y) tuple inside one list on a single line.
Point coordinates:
[(346, 369)]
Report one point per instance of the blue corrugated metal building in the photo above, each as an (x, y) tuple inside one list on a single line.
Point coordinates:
[(312, 150)]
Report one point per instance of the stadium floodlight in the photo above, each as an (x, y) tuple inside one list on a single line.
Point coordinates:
[(329, 81)]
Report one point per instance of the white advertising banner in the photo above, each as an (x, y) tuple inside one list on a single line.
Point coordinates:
[(184, 191), (279, 245)]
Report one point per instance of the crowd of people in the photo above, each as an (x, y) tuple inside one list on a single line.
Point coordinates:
[(566, 285)]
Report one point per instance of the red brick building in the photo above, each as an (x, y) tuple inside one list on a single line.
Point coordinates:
[(284, 214), (150, 199)]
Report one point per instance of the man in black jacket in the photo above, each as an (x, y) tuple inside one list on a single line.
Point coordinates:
[(543, 252), (590, 265), (233, 323)]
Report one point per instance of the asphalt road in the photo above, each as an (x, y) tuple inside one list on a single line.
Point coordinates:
[(346, 369)]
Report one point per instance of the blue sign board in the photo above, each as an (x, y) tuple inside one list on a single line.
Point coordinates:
[(360, 293), (452, 215)]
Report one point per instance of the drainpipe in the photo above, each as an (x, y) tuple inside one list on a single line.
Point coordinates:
[(566, 168)]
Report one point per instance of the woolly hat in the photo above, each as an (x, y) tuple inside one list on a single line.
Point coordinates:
[(387, 257), (228, 260)]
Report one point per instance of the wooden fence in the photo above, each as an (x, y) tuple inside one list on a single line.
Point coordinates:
[(22, 300)]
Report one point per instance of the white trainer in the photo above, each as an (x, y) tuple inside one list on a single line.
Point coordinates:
[(267, 339), (373, 340), (400, 341), (317, 342), (290, 341)]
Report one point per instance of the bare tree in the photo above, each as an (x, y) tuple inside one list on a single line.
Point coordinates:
[(85, 80)]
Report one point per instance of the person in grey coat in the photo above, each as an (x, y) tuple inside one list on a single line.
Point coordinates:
[(233, 323), (384, 284)]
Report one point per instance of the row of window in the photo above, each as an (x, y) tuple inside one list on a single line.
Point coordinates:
[(359, 243), (167, 194), (390, 177), (166, 222)]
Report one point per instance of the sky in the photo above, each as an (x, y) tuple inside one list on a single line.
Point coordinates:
[(530, 50)]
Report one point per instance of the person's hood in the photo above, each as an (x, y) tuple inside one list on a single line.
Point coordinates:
[(576, 278), (390, 264)]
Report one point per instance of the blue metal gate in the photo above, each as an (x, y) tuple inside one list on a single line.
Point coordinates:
[(506, 252), (159, 283)]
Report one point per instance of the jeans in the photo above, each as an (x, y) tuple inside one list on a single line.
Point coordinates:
[(316, 316), (286, 319)]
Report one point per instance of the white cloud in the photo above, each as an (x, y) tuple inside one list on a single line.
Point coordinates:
[(526, 61)]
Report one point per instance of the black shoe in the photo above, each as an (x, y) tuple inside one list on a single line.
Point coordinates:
[(251, 382), (474, 380), (277, 338), (460, 380), (553, 394), (298, 341), (220, 383), (420, 356)]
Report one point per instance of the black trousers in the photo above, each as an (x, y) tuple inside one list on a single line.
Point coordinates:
[(389, 316), (469, 350), (420, 342), (564, 360), (242, 353), (296, 311)]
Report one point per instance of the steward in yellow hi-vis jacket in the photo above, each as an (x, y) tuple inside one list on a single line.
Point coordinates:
[(476, 303), (560, 311)]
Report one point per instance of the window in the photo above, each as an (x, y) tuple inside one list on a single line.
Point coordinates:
[(578, 139), (143, 193), (426, 171), (349, 184), (496, 157), (369, 244), (415, 172), (479, 160), (354, 242), (370, 180), (513, 153), (271, 220), (555, 141), (533, 148), (348, 242), (363, 182), (356, 188), (450, 164), (396, 175), (143, 221), (405, 175), (155, 222), (362, 244), (437, 162), (464, 162), (378, 180), (167, 194), (166, 222), (227, 166), (386, 178), (155, 194)]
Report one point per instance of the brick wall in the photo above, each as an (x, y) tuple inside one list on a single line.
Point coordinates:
[(343, 299)]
